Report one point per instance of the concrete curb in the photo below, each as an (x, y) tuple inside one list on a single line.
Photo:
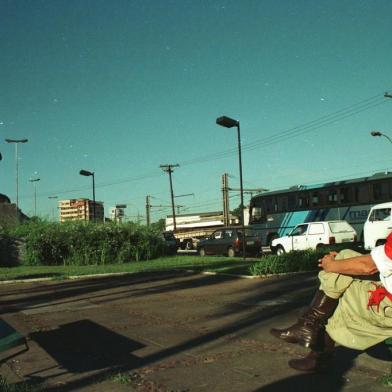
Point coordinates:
[(98, 276)]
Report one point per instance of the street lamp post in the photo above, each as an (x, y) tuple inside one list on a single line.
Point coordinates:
[(34, 181), (88, 173), (16, 142), (53, 198), (228, 122), (378, 133)]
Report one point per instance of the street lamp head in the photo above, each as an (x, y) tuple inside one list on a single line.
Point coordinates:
[(16, 140), (376, 133), (86, 173), (227, 122)]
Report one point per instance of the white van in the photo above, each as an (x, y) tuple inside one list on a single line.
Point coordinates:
[(378, 225), (312, 235)]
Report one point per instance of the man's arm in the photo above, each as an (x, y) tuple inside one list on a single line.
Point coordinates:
[(360, 265)]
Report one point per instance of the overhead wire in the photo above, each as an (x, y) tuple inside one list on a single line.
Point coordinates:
[(322, 121)]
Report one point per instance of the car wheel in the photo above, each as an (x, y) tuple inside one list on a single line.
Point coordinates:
[(230, 252), (280, 250), (202, 252), (189, 245)]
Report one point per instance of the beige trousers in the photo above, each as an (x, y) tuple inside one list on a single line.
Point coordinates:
[(353, 325)]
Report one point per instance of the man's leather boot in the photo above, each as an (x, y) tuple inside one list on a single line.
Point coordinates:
[(318, 360), (306, 331)]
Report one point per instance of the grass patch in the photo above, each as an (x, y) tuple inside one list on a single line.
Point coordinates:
[(20, 387), (295, 261), (196, 263), (386, 381), (122, 378)]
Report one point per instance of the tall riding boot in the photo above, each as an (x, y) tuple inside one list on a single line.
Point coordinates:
[(306, 331), (318, 360)]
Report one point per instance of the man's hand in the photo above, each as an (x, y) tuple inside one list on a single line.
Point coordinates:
[(325, 262), (357, 265)]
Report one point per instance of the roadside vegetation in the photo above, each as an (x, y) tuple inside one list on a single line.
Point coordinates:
[(79, 243), (295, 261), (39, 249)]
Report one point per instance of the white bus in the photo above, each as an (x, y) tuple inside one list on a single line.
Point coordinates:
[(274, 214)]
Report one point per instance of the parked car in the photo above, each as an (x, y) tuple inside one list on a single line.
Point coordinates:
[(228, 241), (172, 243), (378, 225), (313, 235)]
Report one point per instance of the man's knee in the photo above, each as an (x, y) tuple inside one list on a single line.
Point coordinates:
[(347, 254)]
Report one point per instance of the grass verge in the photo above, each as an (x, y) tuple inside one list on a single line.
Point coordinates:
[(197, 263)]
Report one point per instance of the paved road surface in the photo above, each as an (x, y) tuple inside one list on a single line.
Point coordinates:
[(171, 332)]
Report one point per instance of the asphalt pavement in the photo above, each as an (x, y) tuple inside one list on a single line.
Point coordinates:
[(174, 332)]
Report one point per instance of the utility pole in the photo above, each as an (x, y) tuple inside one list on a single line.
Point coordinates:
[(148, 210), (169, 169), (225, 196), (34, 181), (53, 198), (16, 142)]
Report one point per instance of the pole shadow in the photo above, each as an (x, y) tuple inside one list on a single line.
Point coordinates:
[(85, 347)]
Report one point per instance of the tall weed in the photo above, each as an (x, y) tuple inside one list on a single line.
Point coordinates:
[(300, 260), (82, 243)]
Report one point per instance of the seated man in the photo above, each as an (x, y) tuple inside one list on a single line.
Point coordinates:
[(348, 308)]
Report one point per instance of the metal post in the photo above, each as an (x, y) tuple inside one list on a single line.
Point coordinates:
[(148, 207), (17, 180), (94, 217), (242, 190), (17, 141), (52, 198), (225, 195), (169, 169)]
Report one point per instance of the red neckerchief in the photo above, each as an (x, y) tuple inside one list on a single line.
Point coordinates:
[(377, 295)]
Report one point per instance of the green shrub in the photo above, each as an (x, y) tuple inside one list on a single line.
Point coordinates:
[(299, 260), (82, 243)]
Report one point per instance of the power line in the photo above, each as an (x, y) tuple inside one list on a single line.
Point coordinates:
[(325, 120), (310, 126)]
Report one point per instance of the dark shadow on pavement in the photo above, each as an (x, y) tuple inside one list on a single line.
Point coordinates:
[(331, 381), (85, 346), (380, 351)]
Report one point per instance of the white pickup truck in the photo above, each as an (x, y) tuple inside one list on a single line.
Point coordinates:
[(378, 225), (312, 235)]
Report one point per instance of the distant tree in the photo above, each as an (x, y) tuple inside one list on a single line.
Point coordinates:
[(159, 226), (237, 213)]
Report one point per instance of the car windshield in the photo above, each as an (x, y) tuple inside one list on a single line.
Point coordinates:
[(248, 233)]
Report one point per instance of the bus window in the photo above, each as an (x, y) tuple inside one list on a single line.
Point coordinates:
[(291, 202), (303, 201), (282, 203), (381, 191), (344, 195), (362, 193), (315, 199), (257, 215), (332, 196)]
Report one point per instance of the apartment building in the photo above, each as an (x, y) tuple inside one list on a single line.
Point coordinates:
[(80, 209)]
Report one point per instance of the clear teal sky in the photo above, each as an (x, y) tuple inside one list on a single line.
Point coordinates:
[(119, 87)]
